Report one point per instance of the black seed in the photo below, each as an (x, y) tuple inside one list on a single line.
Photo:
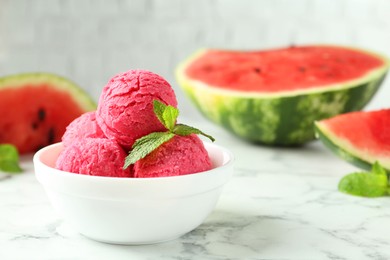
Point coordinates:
[(41, 114), (302, 69), (34, 125), (258, 70), (51, 135)]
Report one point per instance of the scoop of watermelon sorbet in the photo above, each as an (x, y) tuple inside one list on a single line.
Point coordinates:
[(125, 110), (84, 126), (179, 156), (94, 156)]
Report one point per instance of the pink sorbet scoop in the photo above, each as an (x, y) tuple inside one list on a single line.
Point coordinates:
[(84, 126), (125, 109), (179, 156), (93, 156)]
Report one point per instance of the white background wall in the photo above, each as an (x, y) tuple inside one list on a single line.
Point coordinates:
[(90, 41)]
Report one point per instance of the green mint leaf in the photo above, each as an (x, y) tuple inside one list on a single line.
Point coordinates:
[(166, 114), (378, 169), (159, 108), (170, 115), (145, 145), (9, 159), (363, 184), (183, 130)]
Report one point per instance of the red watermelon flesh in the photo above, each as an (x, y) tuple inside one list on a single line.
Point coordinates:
[(279, 70), (33, 116), (367, 132)]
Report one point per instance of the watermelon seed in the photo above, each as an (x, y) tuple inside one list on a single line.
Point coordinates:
[(41, 114), (34, 125), (302, 69), (258, 70), (51, 135)]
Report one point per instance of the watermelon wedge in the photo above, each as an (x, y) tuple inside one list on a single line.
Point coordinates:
[(35, 109), (274, 96), (360, 138)]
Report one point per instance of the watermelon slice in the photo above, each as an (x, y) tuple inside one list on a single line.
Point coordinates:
[(360, 138), (273, 97), (35, 109)]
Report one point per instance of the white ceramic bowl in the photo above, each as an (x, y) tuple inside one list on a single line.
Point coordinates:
[(133, 210)]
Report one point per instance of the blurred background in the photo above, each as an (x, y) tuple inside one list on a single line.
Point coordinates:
[(89, 41)]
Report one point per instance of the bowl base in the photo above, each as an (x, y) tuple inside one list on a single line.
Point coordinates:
[(134, 243)]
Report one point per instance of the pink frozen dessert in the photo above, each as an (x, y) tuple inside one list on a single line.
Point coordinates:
[(125, 109), (179, 156), (84, 126), (93, 156), (130, 107)]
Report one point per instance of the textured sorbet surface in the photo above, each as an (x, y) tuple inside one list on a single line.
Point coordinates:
[(93, 156), (179, 156), (125, 109), (84, 126)]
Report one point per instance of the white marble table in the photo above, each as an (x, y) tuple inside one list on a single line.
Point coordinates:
[(280, 204)]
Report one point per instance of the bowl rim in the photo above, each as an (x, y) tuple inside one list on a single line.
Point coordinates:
[(228, 160)]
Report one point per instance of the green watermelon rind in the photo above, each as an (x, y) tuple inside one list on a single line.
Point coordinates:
[(346, 151), (78, 95), (284, 118)]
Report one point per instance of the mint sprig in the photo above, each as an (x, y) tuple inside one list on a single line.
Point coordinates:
[(167, 115), (145, 145), (9, 159), (378, 169), (366, 184), (184, 130)]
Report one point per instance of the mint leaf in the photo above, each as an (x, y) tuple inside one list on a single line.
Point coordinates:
[(170, 115), (183, 130), (166, 114), (9, 159), (364, 184), (158, 109), (145, 145), (378, 169)]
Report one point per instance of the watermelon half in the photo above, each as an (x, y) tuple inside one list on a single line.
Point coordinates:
[(35, 109), (360, 138), (274, 96)]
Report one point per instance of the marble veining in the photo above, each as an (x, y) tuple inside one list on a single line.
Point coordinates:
[(280, 204)]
